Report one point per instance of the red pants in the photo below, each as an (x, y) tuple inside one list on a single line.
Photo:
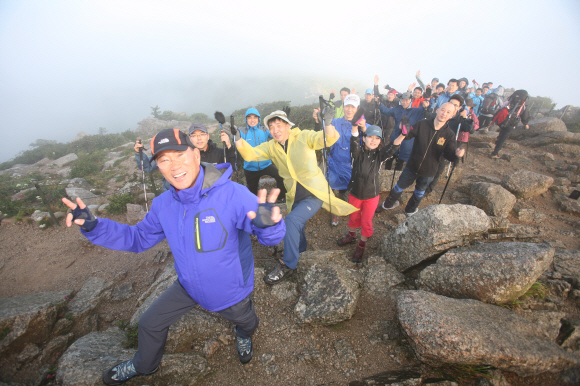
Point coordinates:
[(364, 217)]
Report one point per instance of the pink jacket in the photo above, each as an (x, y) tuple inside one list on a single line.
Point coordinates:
[(464, 135)]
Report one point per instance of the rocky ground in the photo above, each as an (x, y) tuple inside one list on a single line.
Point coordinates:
[(287, 351)]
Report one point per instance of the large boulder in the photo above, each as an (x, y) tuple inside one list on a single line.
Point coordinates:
[(135, 213), (380, 277), (94, 291), (552, 137), (195, 328), (60, 162), (29, 318), (567, 204), (526, 184), (88, 197), (493, 272), (86, 359), (164, 280), (329, 295), (492, 198), (564, 148), (567, 263), (431, 231), (443, 330), (538, 127)]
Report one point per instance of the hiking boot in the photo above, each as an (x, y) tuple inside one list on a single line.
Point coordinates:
[(121, 373), (279, 273), (334, 220), (358, 254), (409, 214), (390, 204), (348, 238), (245, 350)]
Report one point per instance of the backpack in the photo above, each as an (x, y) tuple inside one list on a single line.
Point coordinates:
[(517, 103), (490, 104)]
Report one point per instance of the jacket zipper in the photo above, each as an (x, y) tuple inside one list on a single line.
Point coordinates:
[(425, 155)]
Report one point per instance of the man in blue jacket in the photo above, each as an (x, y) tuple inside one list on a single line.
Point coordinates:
[(207, 221), (254, 134)]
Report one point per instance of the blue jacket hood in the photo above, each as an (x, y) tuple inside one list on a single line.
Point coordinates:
[(252, 110)]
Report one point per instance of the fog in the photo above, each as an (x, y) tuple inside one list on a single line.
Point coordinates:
[(68, 66)]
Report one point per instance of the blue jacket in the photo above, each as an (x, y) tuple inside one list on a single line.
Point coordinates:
[(414, 114), (208, 232), (477, 101), (441, 99), (255, 135), (150, 166), (339, 161)]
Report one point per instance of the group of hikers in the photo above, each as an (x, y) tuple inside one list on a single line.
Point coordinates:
[(207, 218)]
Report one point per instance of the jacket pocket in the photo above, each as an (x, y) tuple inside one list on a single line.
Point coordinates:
[(208, 232)]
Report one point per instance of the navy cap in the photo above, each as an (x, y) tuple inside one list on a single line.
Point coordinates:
[(374, 130), (168, 139)]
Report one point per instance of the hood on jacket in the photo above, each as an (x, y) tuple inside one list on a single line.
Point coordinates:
[(252, 110), (209, 177)]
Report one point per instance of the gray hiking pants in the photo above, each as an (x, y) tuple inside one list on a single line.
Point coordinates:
[(167, 309)]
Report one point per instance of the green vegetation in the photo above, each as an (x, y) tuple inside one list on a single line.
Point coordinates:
[(3, 332), (118, 203), (131, 332), (87, 165), (537, 290), (459, 372)]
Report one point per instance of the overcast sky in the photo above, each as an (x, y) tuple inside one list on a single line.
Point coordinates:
[(67, 66)]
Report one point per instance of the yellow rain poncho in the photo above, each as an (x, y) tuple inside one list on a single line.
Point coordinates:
[(299, 165)]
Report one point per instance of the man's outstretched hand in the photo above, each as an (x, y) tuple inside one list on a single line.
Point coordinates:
[(268, 214), (80, 215)]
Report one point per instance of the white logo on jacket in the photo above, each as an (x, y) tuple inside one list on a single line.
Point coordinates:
[(209, 219)]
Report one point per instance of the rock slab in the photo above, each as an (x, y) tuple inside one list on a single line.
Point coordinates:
[(526, 184), (492, 198), (431, 231), (443, 330), (493, 272)]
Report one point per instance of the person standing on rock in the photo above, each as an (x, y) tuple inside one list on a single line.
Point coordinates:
[(433, 139), (508, 117), (364, 186), (294, 154), (149, 166), (207, 220)]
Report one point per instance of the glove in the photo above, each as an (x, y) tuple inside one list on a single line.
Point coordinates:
[(286, 110), (405, 125), (84, 214), (329, 112), (467, 125), (263, 217), (331, 97), (219, 116), (387, 87), (427, 94), (358, 115), (234, 130)]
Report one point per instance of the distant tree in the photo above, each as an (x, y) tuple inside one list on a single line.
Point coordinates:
[(102, 131), (155, 111), (42, 142), (200, 118)]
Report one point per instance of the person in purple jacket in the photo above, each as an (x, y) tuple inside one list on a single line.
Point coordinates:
[(207, 221)]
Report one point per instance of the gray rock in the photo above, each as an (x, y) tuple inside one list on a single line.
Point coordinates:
[(86, 301), (60, 162), (129, 186), (93, 208), (329, 295), (480, 136), (39, 216), (61, 327), (165, 279), (496, 378), (493, 273), (122, 292), (150, 196), (526, 184), (22, 194), (286, 291), (345, 353), (563, 148), (103, 208), (311, 357), (431, 231), (395, 378), (492, 198), (135, 213), (195, 328), (571, 341), (29, 318), (109, 164), (567, 263), (30, 352), (538, 127), (80, 134), (56, 347), (379, 276), (464, 331), (530, 215), (311, 258), (88, 198), (566, 204), (549, 322), (64, 172), (386, 179), (78, 183), (552, 138), (482, 178)]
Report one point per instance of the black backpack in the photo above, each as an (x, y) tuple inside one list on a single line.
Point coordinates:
[(490, 104), (518, 96), (517, 104)]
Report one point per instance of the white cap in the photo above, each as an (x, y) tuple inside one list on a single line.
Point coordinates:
[(352, 99), (277, 114)]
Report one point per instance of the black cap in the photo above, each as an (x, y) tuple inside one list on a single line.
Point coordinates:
[(458, 98), (168, 139)]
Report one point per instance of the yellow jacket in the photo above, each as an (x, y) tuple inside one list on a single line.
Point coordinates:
[(299, 165)]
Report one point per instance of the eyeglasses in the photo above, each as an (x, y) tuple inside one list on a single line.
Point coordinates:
[(196, 136), (165, 162)]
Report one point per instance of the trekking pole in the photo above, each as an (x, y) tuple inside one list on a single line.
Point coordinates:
[(447, 183), (456, 135), (564, 111), (324, 154), (143, 174), (538, 110), (46, 203), (394, 173), (235, 154)]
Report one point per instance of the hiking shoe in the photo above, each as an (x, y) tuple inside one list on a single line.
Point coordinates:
[(334, 220), (391, 206), (121, 373), (346, 239), (358, 254), (244, 346), (279, 273), (409, 214)]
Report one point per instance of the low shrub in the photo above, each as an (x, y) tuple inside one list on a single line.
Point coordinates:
[(118, 203)]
